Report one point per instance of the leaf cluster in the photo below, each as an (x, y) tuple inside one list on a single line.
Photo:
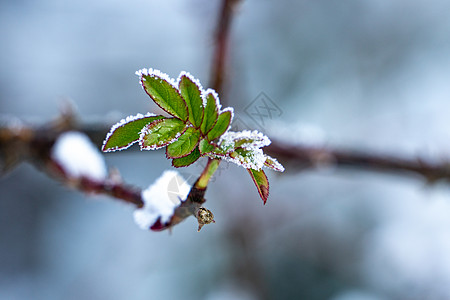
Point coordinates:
[(196, 126)]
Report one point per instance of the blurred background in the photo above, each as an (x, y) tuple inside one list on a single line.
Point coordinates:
[(368, 75)]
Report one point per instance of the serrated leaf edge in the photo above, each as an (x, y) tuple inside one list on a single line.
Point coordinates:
[(198, 141), (199, 86), (188, 164), (145, 130), (231, 110), (160, 75), (119, 124)]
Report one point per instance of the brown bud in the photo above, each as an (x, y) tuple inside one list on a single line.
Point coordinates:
[(204, 216)]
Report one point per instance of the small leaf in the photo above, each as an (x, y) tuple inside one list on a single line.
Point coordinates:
[(249, 159), (126, 132), (165, 95), (244, 139), (273, 164), (205, 147), (184, 144), (222, 124), (161, 133), (210, 113), (187, 160), (191, 92), (261, 182)]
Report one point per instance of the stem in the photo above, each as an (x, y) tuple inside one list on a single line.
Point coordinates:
[(208, 172)]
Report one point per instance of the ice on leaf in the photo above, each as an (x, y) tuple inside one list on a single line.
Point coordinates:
[(161, 133), (273, 164), (249, 159), (78, 157), (161, 199), (245, 139), (161, 88), (126, 132), (184, 145)]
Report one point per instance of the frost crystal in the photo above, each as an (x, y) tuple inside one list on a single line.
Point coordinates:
[(215, 95), (76, 154), (251, 159), (245, 139), (120, 124), (161, 199), (192, 78), (155, 73), (273, 164)]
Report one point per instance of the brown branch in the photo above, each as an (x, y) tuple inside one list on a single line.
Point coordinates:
[(304, 157), (218, 66), (26, 143)]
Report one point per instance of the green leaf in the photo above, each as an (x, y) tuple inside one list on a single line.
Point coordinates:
[(125, 133), (184, 144), (210, 113), (261, 182), (187, 160), (161, 133), (191, 92), (165, 95), (222, 124), (205, 147)]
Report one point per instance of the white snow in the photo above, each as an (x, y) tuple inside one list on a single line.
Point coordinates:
[(161, 198), (155, 73), (192, 78), (146, 130), (76, 154), (256, 139), (215, 96), (254, 159), (274, 164), (120, 124)]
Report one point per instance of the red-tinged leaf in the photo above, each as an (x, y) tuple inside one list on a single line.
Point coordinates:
[(210, 112), (161, 133), (185, 144), (164, 94), (205, 147), (125, 133), (190, 90), (261, 182), (187, 160), (273, 164), (222, 124)]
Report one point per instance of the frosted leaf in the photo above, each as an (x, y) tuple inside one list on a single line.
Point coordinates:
[(273, 164), (215, 95), (249, 159), (245, 139), (155, 73), (192, 78), (77, 156), (121, 123), (161, 199)]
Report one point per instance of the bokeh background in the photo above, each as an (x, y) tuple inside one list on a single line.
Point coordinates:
[(368, 75)]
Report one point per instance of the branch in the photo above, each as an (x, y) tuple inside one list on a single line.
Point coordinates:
[(218, 71), (304, 157)]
